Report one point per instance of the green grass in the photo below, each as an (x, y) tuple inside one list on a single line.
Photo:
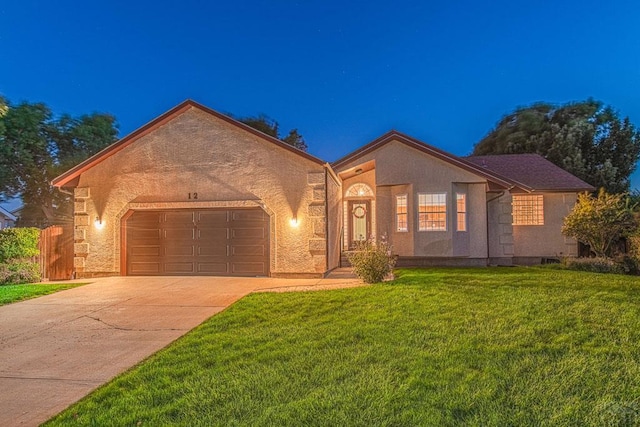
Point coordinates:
[(15, 293), (437, 347)]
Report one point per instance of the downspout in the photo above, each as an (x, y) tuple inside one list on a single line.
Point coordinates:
[(487, 227)]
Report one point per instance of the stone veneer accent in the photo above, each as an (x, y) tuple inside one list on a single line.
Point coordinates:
[(81, 224), (317, 211)]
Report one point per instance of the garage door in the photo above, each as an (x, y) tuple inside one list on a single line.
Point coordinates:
[(212, 242)]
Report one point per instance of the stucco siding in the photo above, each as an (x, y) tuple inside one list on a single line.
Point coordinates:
[(334, 221), (547, 240), (225, 166)]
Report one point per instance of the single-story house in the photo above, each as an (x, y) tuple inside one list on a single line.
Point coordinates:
[(7, 219), (195, 192)]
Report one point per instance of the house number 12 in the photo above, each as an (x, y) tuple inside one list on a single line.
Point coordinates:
[(193, 196)]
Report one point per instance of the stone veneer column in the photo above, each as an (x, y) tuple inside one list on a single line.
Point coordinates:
[(81, 226), (317, 216)]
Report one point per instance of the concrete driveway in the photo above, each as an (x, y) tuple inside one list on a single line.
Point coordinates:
[(57, 348)]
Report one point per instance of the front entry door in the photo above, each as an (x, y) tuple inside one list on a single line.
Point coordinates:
[(359, 221)]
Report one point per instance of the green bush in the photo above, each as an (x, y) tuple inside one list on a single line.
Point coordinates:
[(16, 272), (18, 246), (595, 265), (18, 243), (371, 261)]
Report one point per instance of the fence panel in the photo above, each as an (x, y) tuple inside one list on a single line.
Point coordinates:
[(56, 253)]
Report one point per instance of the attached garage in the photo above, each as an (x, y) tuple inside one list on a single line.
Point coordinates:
[(202, 242)]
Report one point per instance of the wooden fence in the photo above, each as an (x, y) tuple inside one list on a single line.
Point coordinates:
[(56, 253)]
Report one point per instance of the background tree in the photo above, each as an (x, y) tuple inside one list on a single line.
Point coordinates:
[(586, 138), (35, 147), (600, 221), (267, 125)]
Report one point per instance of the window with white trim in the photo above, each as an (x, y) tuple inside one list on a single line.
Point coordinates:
[(402, 223), (461, 212), (432, 211), (528, 209)]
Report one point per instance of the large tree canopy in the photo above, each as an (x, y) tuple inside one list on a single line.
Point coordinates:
[(266, 124), (35, 147), (585, 138)]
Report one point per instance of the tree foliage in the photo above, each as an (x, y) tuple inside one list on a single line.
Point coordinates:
[(586, 138), (35, 147), (269, 126), (600, 221)]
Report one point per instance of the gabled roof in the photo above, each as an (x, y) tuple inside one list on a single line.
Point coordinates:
[(7, 214), (67, 178), (531, 170), (432, 151)]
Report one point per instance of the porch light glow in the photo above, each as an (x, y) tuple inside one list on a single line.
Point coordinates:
[(98, 223), (293, 222)]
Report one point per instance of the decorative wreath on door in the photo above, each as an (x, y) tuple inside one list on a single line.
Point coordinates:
[(359, 211)]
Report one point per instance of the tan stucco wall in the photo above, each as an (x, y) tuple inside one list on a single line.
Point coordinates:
[(547, 240), (400, 169), (227, 166), (334, 220), (500, 228)]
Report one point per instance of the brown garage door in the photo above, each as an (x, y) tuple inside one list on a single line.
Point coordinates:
[(212, 242)]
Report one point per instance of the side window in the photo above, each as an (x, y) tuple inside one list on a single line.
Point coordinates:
[(401, 213), (461, 211), (432, 211), (528, 209)]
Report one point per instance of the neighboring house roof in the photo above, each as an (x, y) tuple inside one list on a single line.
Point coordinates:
[(431, 150), (67, 179), (7, 214), (533, 171)]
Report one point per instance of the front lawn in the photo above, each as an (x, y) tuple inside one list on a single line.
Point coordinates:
[(437, 347), (15, 293)]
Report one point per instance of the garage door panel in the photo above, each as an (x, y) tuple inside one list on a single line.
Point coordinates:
[(144, 268), (247, 267), (145, 234), (178, 267), (180, 250), (248, 250), (208, 234), (145, 250), (213, 267), (248, 233), (179, 233), (215, 217), (198, 242), (213, 250), (179, 219), (248, 215)]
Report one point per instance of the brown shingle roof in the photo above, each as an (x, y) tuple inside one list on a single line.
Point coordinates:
[(532, 170)]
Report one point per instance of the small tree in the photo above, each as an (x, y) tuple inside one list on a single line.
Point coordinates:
[(600, 221)]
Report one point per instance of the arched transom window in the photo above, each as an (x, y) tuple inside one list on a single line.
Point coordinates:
[(359, 190)]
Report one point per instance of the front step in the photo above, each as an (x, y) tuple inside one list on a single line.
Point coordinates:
[(344, 261)]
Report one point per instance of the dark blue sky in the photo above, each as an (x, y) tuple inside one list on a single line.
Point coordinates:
[(342, 72)]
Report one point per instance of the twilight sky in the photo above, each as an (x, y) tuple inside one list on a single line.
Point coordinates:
[(341, 72)]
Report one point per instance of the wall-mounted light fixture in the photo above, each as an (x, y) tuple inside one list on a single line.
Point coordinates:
[(294, 222), (98, 223)]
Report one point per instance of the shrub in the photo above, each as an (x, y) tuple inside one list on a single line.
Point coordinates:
[(372, 261), (18, 243), (16, 272), (595, 265)]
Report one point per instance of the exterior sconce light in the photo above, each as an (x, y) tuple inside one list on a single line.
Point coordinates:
[(98, 223), (294, 222)]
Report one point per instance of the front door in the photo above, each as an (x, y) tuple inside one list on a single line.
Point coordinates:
[(359, 221)]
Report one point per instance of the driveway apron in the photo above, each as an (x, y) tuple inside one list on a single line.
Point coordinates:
[(56, 349)]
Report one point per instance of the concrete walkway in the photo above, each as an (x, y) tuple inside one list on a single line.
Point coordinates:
[(57, 348)]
